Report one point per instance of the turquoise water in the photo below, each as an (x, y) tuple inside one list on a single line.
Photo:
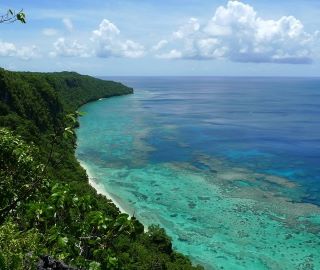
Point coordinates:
[(228, 166)]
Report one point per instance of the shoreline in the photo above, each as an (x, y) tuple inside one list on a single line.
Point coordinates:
[(91, 178), (102, 190)]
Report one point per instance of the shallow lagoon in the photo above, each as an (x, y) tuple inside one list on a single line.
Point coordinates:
[(227, 165)]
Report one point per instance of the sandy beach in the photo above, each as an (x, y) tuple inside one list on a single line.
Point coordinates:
[(94, 182)]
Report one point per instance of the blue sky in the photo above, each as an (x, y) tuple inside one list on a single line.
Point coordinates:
[(176, 37)]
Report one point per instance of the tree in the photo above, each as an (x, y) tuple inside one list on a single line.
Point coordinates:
[(12, 16), (20, 175)]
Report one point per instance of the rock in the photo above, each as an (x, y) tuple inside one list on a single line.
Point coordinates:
[(48, 263)]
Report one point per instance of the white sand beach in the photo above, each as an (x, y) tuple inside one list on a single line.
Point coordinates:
[(99, 187)]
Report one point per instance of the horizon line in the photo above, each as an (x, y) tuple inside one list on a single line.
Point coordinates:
[(207, 76)]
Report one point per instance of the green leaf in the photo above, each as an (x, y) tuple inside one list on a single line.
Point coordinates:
[(81, 113), (71, 117), (21, 17), (94, 266), (112, 261), (62, 241)]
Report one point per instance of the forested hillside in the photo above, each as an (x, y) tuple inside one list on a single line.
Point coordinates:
[(47, 206)]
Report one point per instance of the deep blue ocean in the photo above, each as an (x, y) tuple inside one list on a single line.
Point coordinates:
[(229, 166)]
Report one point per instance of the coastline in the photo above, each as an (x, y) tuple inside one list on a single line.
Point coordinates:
[(102, 190), (91, 178)]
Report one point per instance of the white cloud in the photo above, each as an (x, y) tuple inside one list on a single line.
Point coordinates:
[(131, 49), (173, 54), (189, 28), (107, 30), (7, 49), (11, 50), (211, 48), (237, 33), (49, 32), (68, 48), (27, 53), (160, 45), (105, 42), (108, 42), (68, 24)]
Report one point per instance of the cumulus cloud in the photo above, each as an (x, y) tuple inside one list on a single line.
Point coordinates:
[(160, 45), (69, 48), (188, 29), (237, 33), (27, 53), (108, 42), (68, 24), (8, 49)]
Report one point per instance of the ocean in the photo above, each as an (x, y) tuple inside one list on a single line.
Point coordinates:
[(229, 166)]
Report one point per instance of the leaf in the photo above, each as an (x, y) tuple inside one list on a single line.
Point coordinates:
[(113, 261), (77, 113), (68, 132), (21, 17), (71, 117), (92, 241), (62, 241), (94, 266)]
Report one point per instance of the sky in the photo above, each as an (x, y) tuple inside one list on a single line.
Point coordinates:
[(164, 38)]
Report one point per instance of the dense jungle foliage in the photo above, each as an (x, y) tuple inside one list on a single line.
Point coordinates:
[(47, 206)]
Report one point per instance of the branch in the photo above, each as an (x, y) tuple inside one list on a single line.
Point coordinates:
[(12, 16)]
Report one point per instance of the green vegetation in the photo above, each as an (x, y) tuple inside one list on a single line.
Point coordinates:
[(47, 206)]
